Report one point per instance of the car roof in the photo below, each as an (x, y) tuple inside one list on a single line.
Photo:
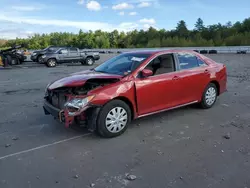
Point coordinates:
[(155, 52)]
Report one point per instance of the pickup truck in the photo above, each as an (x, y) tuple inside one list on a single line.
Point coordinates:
[(36, 56), (69, 54)]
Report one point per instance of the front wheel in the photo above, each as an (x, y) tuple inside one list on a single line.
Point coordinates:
[(51, 63), (113, 119), (209, 96)]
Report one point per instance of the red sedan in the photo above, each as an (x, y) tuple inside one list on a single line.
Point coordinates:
[(132, 85)]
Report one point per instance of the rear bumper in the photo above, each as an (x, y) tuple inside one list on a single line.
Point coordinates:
[(44, 60), (22, 58), (96, 57), (33, 58)]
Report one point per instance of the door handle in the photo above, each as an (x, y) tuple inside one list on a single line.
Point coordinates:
[(176, 78)]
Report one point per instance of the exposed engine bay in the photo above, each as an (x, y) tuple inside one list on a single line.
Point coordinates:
[(60, 96)]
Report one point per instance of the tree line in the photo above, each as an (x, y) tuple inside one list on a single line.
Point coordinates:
[(237, 34)]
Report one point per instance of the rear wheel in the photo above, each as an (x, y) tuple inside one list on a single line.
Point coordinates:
[(51, 63), (39, 59), (89, 61), (9, 60), (209, 96), (113, 119), (15, 61)]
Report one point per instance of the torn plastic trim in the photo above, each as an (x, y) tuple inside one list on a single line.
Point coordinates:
[(67, 118), (91, 115)]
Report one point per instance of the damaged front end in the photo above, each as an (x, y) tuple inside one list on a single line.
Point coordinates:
[(72, 105)]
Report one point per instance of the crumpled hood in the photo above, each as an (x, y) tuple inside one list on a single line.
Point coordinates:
[(79, 78)]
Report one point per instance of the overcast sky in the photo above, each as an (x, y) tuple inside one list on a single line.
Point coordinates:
[(21, 18)]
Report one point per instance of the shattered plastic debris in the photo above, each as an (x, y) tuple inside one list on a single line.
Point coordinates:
[(7, 145), (160, 152), (130, 177), (227, 136), (15, 138)]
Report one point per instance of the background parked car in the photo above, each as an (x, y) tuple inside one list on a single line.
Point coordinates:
[(36, 56), (69, 54)]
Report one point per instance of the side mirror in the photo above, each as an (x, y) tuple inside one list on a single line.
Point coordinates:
[(146, 72)]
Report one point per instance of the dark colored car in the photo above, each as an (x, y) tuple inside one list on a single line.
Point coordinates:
[(21, 57), (69, 54), (133, 85), (12, 56), (36, 56)]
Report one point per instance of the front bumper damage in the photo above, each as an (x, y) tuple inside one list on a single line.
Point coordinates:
[(88, 115)]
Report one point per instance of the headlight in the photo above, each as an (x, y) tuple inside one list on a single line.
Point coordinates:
[(43, 56), (34, 54), (75, 105)]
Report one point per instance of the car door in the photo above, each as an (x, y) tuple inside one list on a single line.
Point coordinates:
[(159, 91), (63, 54), (73, 55), (193, 77)]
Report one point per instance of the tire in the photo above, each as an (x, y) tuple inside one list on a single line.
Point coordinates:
[(16, 61), (89, 61), (39, 58), (9, 60), (212, 52), (106, 129), (51, 63), (203, 52), (212, 91)]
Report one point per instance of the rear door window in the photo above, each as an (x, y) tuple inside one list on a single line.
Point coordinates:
[(64, 51), (187, 61), (201, 62), (73, 50)]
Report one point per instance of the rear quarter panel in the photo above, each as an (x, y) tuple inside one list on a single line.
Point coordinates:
[(218, 73), (221, 77)]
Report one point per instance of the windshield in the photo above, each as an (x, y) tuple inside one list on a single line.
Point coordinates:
[(46, 48), (122, 64), (53, 49)]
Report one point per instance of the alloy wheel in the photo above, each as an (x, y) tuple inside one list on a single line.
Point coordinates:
[(52, 63), (90, 61)]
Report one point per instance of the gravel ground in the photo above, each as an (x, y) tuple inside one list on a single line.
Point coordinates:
[(187, 147)]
